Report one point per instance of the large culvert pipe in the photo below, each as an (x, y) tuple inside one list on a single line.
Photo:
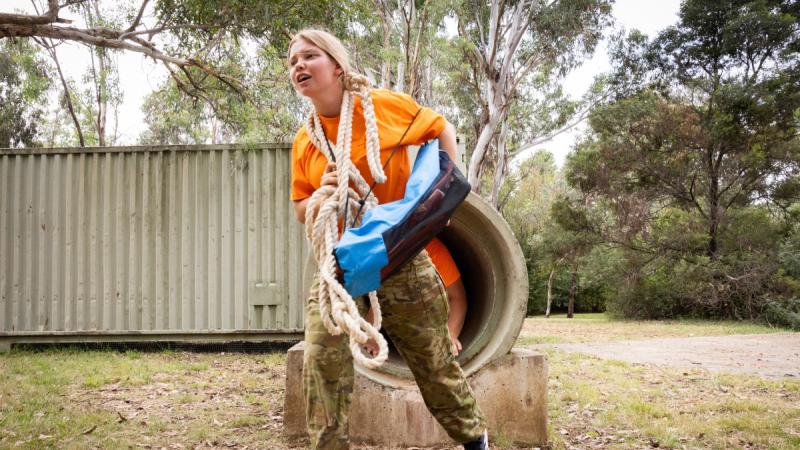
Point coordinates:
[(496, 281)]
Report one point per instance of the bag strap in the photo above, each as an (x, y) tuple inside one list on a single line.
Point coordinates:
[(363, 199)]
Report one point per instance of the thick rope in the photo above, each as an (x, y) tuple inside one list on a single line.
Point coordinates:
[(326, 208)]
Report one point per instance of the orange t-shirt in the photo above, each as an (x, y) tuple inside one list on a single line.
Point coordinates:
[(443, 262), (393, 113)]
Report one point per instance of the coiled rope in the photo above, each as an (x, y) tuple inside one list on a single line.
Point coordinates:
[(330, 204)]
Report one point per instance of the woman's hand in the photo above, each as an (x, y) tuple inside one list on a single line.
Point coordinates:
[(371, 347), (329, 176), (456, 345)]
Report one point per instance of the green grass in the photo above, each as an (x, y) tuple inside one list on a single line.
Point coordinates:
[(613, 404), (79, 399), (599, 327)]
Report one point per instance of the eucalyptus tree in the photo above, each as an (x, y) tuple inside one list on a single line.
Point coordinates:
[(698, 155), (182, 35), (23, 89), (709, 121), (507, 44)]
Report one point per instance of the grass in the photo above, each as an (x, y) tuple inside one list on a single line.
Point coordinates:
[(77, 399), (595, 403), (105, 399), (557, 329)]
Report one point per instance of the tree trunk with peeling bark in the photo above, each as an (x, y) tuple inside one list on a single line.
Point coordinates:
[(497, 57), (501, 165), (550, 291), (572, 291)]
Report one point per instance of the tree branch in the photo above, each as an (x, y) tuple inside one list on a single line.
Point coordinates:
[(138, 19), (51, 16), (103, 37)]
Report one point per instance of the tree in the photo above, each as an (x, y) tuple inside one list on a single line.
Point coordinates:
[(698, 155), (539, 209), (183, 37), (270, 114), (723, 126), (508, 42), (23, 88)]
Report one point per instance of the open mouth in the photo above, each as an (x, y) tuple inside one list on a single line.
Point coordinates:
[(303, 77)]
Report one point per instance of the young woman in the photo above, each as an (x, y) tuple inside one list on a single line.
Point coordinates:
[(413, 301)]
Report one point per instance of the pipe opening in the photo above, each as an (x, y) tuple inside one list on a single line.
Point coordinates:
[(478, 279), (496, 284)]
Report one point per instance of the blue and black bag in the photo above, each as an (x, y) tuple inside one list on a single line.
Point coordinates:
[(393, 233)]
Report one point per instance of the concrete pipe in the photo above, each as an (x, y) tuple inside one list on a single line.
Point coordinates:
[(493, 271)]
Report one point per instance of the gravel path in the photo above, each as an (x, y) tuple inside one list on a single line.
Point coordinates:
[(775, 355)]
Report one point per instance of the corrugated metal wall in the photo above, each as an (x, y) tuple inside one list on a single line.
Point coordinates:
[(132, 239)]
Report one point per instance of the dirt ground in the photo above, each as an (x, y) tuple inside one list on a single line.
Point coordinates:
[(775, 355)]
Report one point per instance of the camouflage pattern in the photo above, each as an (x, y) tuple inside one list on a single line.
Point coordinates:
[(414, 307)]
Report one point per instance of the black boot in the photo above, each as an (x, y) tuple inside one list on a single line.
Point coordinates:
[(482, 443)]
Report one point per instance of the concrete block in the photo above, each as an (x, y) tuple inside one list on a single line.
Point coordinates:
[(511, 391)]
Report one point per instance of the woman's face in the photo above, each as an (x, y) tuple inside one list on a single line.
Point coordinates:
[(313, 72)]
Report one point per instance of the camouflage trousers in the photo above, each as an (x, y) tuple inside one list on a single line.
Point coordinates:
[(414, 308)]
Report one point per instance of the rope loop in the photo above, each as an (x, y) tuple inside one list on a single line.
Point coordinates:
[(328, 205)]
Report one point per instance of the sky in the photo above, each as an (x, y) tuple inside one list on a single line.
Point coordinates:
[(139, 76)]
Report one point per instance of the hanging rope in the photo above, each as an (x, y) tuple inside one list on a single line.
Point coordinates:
[(329, 205)]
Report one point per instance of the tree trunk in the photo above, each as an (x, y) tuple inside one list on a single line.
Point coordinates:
[(550, 291), (476, 161), (102, 100), (713, 205), (572, 289), (67, 94), (386, 70), (500, 169)]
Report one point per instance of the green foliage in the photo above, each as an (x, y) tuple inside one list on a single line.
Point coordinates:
[(270, 21), (172, 118), (535, 189), (23, 88), (683, 169), (789, 253), (263, 115), (784, 314)]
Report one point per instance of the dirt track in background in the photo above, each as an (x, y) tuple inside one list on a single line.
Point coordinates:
[(774, 355)]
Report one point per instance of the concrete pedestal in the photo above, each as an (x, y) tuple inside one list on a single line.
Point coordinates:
[(512, 392)]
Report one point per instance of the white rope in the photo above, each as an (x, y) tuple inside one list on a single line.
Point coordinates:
[(326, 208)]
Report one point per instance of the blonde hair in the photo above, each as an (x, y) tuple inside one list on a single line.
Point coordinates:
[(354, 84), (334, 48)]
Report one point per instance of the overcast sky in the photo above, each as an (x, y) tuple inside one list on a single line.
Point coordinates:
[(140, 76)]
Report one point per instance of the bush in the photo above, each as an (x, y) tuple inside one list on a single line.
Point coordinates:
[(654, 296), (784, 314)]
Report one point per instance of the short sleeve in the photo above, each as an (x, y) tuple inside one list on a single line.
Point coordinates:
[(398, 110), (301, 186)]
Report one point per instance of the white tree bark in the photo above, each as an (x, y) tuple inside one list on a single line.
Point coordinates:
[(496, 58), (501, 164), (550, 291)]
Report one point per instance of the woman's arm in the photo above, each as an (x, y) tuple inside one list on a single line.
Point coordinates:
[(328, 178), (300, 209)]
